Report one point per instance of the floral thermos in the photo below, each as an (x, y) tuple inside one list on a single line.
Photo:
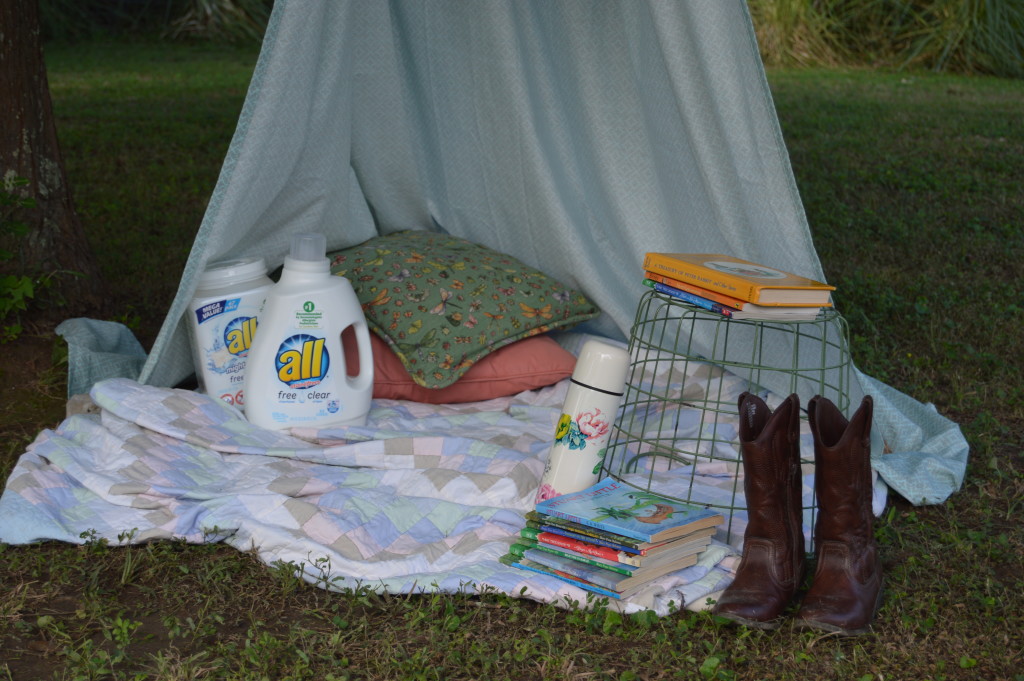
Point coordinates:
[(590, 407)]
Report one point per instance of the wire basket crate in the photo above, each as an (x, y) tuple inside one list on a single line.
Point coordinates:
[(676, 431)]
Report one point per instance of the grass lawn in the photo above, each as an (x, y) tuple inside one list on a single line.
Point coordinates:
[(912, 186)]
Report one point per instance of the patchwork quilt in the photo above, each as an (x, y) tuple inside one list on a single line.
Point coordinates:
[(423, 498)]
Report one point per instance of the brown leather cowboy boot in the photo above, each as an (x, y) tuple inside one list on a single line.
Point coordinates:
[(847, 587), (772, 565)]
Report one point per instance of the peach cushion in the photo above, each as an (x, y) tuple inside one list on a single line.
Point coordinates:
[(532, 362)]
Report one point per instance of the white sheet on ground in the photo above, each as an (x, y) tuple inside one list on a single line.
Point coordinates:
[(423, 498)]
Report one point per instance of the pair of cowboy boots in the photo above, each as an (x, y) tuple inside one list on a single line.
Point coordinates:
[(846, 590)]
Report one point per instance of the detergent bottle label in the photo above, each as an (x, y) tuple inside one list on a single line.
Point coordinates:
[(223, 331), (301, 374), (309, 317), (302, 364), (238, 335)]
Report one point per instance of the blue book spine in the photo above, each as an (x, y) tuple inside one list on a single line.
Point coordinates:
[(688, 297), (592, 574), (593, 588)]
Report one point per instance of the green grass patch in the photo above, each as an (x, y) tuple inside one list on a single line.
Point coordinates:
[(911, 186), (144, 128)]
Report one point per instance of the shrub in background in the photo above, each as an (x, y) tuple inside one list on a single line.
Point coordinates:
[(233, 20), (230, 20), (968, 36), (962, 36), (70, 20), (796, 33)]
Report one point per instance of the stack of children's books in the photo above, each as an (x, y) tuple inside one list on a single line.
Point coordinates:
[(612, 539), (736, 288)]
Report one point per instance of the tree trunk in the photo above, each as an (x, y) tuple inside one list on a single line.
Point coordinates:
[(55, 243)]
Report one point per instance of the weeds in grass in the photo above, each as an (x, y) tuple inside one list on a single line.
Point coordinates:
[(16, 289)]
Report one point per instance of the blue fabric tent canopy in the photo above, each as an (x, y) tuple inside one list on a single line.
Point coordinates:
[(574, 135)]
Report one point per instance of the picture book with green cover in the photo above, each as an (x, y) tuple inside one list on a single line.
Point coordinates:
[(683, 546), (619, 508)]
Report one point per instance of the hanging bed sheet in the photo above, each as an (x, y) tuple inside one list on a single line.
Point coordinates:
[(423, 498)]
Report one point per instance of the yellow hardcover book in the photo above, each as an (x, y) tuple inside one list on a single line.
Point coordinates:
[(740, 279), (737, 309)]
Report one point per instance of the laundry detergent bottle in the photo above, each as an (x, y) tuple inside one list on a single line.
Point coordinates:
[(223, 319), (310, 364)]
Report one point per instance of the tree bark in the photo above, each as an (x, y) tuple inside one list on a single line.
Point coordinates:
[(56, 243)]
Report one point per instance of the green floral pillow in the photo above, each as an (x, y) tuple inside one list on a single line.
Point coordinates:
[(442, 302)]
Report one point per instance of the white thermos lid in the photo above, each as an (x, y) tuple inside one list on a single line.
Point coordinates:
[(602, 367)]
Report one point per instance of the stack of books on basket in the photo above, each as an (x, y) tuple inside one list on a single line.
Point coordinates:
[(736, 288), (612, 539)]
